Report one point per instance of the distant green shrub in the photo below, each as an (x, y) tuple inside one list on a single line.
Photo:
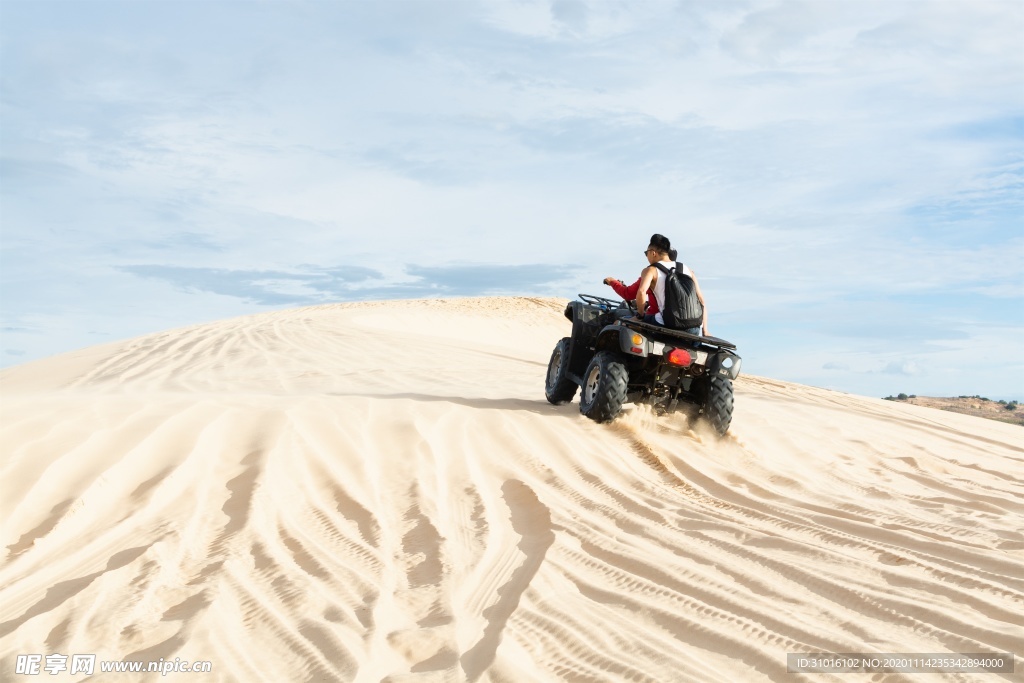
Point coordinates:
[(902, 397)]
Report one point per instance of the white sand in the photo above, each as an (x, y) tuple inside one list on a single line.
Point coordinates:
[(380, 492)]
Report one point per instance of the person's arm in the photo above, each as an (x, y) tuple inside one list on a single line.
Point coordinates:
[(621, 289), (627, 292), (647, 278), (652, 303), (703, 304)]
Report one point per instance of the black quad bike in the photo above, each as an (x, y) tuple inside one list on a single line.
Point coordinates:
[(618, 359)]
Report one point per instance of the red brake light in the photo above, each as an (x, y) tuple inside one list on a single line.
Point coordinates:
[(679, 357)]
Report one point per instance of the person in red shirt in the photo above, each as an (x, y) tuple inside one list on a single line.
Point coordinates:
[(629, 292)]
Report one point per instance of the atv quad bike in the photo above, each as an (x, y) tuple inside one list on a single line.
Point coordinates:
[(616, 359)]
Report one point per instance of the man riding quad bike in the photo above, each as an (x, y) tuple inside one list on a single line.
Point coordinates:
[(616, 359)]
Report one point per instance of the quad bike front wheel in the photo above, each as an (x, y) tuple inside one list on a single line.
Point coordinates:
[(718, 404), (604, 387), (558, 388)]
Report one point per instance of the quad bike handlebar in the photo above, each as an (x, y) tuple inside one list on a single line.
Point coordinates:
[(606, 303), (595, 300)]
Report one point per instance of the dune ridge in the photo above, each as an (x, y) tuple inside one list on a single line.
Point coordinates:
[(379, 492)]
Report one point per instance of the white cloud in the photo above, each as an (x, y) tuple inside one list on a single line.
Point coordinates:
[(838, 169), (575, 20), (903, 367)]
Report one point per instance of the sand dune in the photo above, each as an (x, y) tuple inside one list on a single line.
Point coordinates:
[(376, 492)]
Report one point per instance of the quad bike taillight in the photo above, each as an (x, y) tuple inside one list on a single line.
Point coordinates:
[(638, 344), (679, 357)]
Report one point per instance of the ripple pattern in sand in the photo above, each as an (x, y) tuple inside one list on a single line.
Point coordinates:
[(292, 499)]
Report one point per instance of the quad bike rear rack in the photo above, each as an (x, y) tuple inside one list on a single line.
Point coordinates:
[(658, 329)]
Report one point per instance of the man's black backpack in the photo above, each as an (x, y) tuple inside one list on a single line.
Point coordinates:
[(683, 309)]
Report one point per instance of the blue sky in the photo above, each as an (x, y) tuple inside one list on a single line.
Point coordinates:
[(844, 177)]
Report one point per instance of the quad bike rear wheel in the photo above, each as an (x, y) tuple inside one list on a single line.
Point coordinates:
[(604, 387), (558, 388), (718, 404)]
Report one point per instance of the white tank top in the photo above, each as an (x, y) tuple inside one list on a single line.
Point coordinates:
[(659, 286)]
